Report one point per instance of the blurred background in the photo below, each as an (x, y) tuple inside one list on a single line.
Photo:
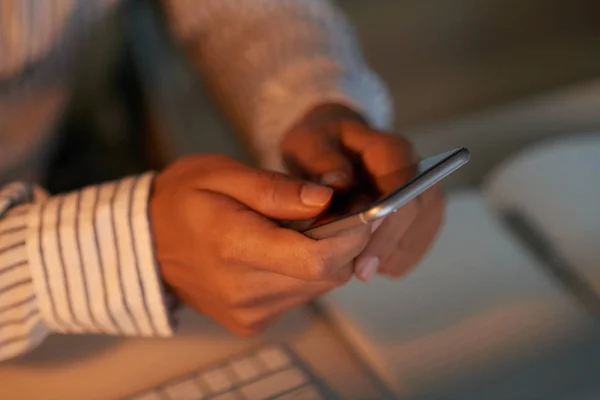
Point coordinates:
[(444, 61), (491, 313), (447, 58), (451, 61)]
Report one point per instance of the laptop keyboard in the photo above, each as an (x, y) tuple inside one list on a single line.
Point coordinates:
[(270, 372)]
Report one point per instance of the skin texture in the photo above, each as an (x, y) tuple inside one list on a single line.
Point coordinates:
[(335, 146), (221, 252)]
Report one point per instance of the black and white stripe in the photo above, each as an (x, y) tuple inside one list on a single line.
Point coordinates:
[(140, 231), (20, 319), (81, 263), (99, 264), (108, 242)]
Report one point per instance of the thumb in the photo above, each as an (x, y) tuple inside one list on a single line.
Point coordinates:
[(319, 158), (270, 193)]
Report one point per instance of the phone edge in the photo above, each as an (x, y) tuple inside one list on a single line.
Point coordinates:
[(413, 189), (417, 187)]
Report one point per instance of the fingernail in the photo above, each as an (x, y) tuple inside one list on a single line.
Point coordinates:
[(367, 268), (315, 195), (334, 178)]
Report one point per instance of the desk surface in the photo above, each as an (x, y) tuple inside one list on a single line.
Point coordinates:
[(95, 367)]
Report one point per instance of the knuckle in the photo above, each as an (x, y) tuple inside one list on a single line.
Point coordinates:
[(316, 267), (227, 247), (269, 184)]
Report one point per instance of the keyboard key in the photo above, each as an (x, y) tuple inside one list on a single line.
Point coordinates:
[(148, 396), (304, 393), (273, 384), (217, 380), (245, 369), (274, 358), (185, 390)]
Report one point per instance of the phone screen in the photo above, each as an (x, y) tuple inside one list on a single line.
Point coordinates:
[(369, 191)]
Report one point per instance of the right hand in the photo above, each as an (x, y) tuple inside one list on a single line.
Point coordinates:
[(223, 256)]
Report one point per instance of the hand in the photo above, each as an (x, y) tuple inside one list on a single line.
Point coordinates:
[(220, 253), (331, 145)]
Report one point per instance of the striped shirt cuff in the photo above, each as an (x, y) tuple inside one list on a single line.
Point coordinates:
[(92, 261), (21, 325)]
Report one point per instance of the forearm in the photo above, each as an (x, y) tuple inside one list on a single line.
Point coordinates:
[(271, 61), (81, 262)]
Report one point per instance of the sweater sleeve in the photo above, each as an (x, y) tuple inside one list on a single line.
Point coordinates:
[(271, 61)]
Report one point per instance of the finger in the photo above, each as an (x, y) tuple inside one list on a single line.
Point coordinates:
[(381, 153), (385, 240), (389, 182), (395, 266), (243, 237), (318, 157), (419, 237), (272, 194), (292, 254), (341, 250)]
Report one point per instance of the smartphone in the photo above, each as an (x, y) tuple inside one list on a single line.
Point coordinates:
[(372, 198)]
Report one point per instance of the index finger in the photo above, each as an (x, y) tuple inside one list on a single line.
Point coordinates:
[(247, 238)]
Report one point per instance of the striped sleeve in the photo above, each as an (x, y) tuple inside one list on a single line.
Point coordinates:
[(272, 61), (21, 324), (81, 262)]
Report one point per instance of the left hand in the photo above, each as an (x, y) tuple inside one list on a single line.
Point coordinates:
[(326, 145)]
